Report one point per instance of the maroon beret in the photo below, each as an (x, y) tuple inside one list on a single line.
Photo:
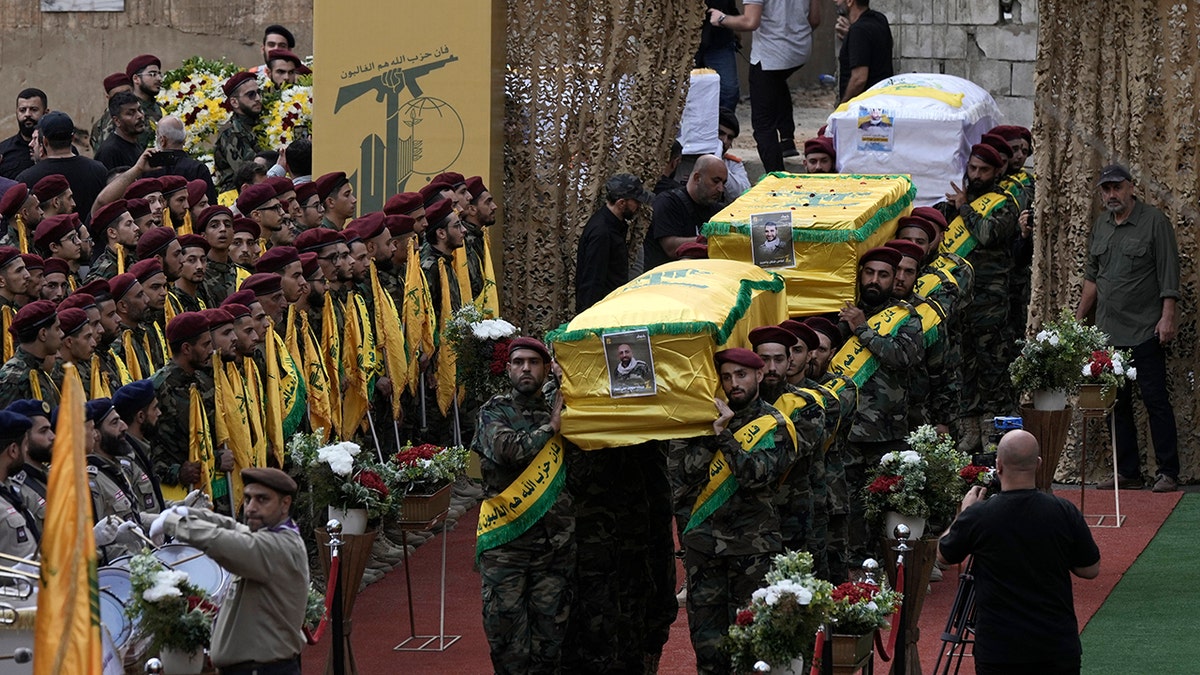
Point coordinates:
[(236, 81), (212, 212), (932, 215), (100, 289), (920, 223), (438, 213), (217, 316), (50, 187), (1012, 132), (451, 178), (145, 269), (530, 344), (740, 356), (825, 327), (998, 143), (274, 260), (882, 254), (310, 264), (78, 301), (404, 203), (138, 208), (821, 145), (194, 241), (13, 199), (907, 249), (305, 191), (33, 262), (7, 255), (244, 297), (284, 54), (400, 224), (316, 239), (280, 184), (775, 334), (51, 230), (254, 196), (172, 184), (34, 317), (330, 183), (369, 226), (806, 334), (71, 320), (155, 241), (476, 187), (120, 285), (186, 326), (262, 284), (140, 63), (692, 250), (117, 80), (196, 191), (142, 187), (244, 225), (108, 215), (432, 191), (350, 235), (988, 154), (235, 310), (57, 266)]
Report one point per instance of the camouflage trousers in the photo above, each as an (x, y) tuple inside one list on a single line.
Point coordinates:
[(986, 384), (818, 532), (837, 505), (526, 603), (863, 537), (717, 587)]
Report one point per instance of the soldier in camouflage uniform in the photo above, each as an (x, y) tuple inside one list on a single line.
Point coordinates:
[(19, 532), (928, 400), (113, 226), (131, 305), (727, 553), (880, 422), (237, 143), (102, 128), (445, 234), (145, 73), (479, 214), (19, 205), (39, 336), (215, 224), (527, 585)]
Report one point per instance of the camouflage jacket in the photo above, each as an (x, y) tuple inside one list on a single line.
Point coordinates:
[(236, 144), (992, 257), (16, 376), (749, 522), (882, 412), (429, 265), (140, 339), (154, 113), (475, 253), (392, 281), (220, 281), (104, 266), (188, 303), (933, 387), (794, 497), (102, 128), (173, 385), (108, 366), (12, 237), (512, 429)]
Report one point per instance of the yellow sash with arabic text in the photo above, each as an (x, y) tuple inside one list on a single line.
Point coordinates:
[(721, 481), (857, 362), (959, 239), (509, 514)]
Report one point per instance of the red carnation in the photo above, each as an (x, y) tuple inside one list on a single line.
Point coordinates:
[(744, 617), (372, 481), (886, 484)]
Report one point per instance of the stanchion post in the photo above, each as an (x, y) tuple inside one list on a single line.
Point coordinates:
[(154, 667), (899, 658), (334, 528)]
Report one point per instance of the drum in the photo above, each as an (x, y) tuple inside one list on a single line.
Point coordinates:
[(114, 621), (115, 580), (203, 572)]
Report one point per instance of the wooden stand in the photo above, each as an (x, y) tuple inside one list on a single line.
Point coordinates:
[(853, 653), (1050, 428), (918, 564), (354, 555)]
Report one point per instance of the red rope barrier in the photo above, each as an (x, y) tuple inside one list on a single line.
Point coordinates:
[(818, 651), (886, 651), (313, 637)]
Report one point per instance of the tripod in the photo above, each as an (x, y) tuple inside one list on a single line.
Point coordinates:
[(960, 625)]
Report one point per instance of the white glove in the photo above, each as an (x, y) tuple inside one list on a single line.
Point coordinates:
[(105, 531), (197, 499), (127, 534), (157, 528)]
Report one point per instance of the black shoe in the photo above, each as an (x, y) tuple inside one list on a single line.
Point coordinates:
[(790, 151), (1122, 483)]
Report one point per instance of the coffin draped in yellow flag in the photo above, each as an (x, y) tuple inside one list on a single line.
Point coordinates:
[(67, 627), (690, 309)]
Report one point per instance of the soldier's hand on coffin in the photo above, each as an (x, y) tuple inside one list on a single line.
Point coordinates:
[(724, 414)]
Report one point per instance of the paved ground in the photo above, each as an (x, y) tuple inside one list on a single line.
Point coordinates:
[(810, 108)]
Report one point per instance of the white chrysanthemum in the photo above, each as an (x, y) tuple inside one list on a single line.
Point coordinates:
[(1118, 368), (910, 457), (1043, 336), (339, 457), (1087, 370), (1131, 373), (1054, 339)]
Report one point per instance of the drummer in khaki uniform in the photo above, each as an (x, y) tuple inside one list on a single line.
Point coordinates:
[(19, 533), (112, 503), (257, 631)]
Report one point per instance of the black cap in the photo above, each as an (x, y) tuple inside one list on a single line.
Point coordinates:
[(56, 126), (1113, 173), (627, 186)]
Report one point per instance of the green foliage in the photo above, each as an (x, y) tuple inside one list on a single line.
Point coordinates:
[(220, 67), (341, 475), (860, 608), (1054, 358), (923, 482), (174, 613)]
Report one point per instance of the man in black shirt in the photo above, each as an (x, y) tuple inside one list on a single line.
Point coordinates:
[(14, 151), (1025, 544), (170, 137), (678, 214), (122, 148), (86, 176), (602, 263), (866, 56)]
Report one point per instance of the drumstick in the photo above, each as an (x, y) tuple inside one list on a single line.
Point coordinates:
[(187, 559), (24, 561), (16, 572), (148, 540)]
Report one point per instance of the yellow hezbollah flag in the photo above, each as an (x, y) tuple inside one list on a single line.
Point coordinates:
[(320, 408), (200, 447), (834, 220), (418, 316), (447, 366), (391, 337), (271, 394), (951, 99), (462, 275), (354, 393), (689, 309), (488, 301), (67, 627), (99, 382), (229, 398), (6, 319), (256, 407), (331, 356)]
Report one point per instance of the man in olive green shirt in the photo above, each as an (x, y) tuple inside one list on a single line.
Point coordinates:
[(1132, 281)]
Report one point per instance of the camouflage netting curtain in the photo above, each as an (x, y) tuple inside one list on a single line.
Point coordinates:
[(1118, 82), (592, 89)]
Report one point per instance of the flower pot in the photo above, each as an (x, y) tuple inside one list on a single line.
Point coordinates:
[(425, 508), (1094, 397), (354, 521), (796, 667), (916, 525), (177, 662), (1049, 399), (850, 652)]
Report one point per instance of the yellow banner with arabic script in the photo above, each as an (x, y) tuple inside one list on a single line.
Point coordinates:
[(757, 434), (509, 514)]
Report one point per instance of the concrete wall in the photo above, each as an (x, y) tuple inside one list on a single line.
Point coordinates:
[(990, 42), (67, 55)]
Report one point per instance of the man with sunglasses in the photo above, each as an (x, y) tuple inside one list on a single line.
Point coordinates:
[(237, 144)]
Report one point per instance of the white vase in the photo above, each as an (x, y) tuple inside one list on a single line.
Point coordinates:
[(354, 521), (175, 662), (796, 667), (916, 525), (1049, 399)]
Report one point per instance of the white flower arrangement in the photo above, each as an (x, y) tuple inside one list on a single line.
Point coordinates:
[(493, 329), (339, 457), (166, 585)]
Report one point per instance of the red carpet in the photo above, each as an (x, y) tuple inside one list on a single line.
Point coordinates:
[(381, 613)]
